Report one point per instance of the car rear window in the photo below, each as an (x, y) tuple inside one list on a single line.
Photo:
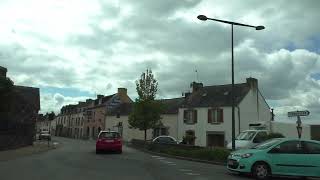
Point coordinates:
[(109, 135)]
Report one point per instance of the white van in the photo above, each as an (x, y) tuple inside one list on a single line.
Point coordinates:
[(249, 138)]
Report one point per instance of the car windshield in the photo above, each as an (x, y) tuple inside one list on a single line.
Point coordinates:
[(109, 135), (266, 144), (247, 135)]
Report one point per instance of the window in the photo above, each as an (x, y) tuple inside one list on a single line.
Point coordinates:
[(290, 147), (190, 116), (312, 148), (215, 116), (260, 137), (109, 135)]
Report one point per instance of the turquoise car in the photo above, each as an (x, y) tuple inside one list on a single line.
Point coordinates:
[(281, 156)]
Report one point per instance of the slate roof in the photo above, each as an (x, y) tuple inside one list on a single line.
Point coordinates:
[(172, 105), (123, 109), (216, 96)]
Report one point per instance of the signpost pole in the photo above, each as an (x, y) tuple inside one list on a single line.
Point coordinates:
[(299, 127)]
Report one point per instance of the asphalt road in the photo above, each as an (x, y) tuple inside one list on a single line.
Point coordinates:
[(76, 159)]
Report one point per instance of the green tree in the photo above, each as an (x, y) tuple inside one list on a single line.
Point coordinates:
[(147, 111)]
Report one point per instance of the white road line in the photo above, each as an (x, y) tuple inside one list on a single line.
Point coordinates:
[(185, 170), (172, 164), (192, 174), (155, 156), (160, 158)]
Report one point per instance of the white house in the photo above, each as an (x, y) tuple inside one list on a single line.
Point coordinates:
[(117, 119), (207, 112)]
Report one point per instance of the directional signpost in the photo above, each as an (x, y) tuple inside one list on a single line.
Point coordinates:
[(299, 122)]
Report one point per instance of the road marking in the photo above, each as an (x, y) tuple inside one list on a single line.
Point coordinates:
[(155, 156), (160, 158), (192, 174), (172, 164), (185, 170)]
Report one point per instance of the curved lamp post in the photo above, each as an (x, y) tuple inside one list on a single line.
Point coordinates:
[(204, 18)]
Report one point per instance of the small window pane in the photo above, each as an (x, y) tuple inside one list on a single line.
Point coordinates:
[(312, 148)]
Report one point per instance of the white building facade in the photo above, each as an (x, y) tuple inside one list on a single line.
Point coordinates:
[(207, 112)]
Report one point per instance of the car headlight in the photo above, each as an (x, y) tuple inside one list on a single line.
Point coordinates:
[(247, 155)]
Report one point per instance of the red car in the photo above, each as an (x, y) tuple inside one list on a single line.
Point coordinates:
[(109, 141)]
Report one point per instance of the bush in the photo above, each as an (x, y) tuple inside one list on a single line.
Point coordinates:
[(217, 154)]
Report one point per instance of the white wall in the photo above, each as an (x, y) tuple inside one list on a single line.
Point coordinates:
[(202, 126), (249, 113), (289, 129), (253, 111), (169, 121), (127, 133)]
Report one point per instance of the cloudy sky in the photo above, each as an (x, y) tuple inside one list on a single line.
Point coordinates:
[(75, 49)]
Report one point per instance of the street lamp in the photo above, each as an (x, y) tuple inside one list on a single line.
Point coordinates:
[(204, 18)]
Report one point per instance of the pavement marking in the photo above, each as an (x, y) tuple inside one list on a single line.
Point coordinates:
[(172, 164), (155, 156), (160, 158), (185, 170), (192, 174)]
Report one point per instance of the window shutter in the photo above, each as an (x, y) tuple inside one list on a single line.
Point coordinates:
[(221, 115), (209, 115), (185, 115), (195, 116)]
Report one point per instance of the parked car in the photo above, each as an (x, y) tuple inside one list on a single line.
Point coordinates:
[(45, 135), (249, 138), (165, 140), (109, 141), (280, 156)]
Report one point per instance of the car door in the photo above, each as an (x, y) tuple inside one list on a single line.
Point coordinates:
[(288, 158), (312, 153)]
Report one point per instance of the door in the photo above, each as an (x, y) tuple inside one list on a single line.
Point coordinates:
[(288, 158), (215, 140), (312, 153)]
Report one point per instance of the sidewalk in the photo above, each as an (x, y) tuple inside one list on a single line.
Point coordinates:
[(38, 147)]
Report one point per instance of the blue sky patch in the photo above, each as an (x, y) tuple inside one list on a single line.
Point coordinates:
[(315, 76), (70, 92)]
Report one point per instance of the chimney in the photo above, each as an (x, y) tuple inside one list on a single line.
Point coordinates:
[(122, 92), (3, 71), (252, 82), (196, 86), (186, 94)]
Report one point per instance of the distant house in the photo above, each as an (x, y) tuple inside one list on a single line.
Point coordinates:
[(206, 112), (117, 119), (19, 117)]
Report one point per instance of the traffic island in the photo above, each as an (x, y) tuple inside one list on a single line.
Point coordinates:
[(36, 148)]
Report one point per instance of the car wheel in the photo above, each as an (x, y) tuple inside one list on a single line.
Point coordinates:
[(97, 151), (261, 170), (120, 151)]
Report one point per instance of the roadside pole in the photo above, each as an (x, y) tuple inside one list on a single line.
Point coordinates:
[(299, 122)]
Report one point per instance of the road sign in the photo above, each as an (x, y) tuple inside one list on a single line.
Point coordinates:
[(298, 113)]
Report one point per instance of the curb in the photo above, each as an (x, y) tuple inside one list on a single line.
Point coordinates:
[(179, 157)]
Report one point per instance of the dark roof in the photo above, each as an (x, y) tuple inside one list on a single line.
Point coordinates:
[(216, 96), (172, 105), (29, 95), (104, 99), (122, 109)]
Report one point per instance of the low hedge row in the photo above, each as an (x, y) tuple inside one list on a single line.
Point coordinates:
[(217, 154)]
